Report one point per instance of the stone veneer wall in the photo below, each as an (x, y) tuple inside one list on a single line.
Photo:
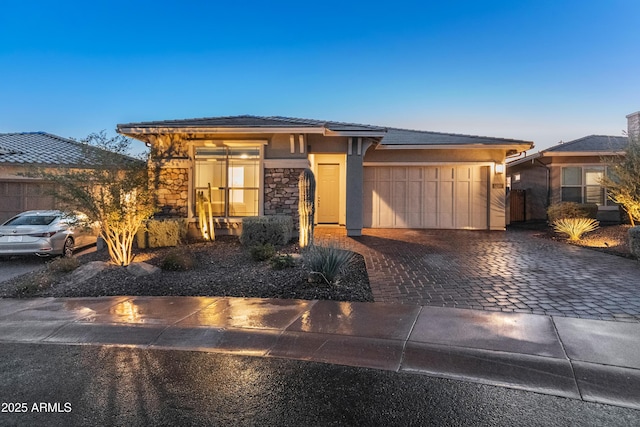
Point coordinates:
[(281, 192), (173, 193)]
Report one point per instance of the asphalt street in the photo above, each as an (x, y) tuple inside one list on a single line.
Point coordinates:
[(16, 266), (91, 385)]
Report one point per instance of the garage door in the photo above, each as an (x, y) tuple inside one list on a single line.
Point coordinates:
[(426, 197), (16, 197)]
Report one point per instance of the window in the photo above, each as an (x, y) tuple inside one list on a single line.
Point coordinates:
[(229, 179), (582, 185)]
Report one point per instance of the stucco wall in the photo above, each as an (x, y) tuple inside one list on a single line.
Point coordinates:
[(533, 179), (436, 156)]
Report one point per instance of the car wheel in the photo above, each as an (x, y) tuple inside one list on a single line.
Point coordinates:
[(67, 249)]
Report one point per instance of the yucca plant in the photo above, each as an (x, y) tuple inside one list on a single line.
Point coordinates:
[(575, 227), (326, 262)]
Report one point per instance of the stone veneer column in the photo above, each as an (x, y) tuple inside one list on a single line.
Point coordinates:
[(633, 125), (173, 193), (281, 192)]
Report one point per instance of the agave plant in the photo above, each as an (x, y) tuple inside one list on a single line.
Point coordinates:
[(575, 227), (326, 261)]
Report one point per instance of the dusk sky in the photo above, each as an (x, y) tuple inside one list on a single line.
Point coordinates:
[(543, 71)]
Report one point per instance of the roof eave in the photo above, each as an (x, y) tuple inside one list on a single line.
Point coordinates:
[(520, 147), (581, 153), (209, 130)]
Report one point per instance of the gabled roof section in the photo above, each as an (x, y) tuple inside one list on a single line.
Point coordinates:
[(391, 137), (405, 138), (249, 124), (588, 146), (592, 144), (41, 148)]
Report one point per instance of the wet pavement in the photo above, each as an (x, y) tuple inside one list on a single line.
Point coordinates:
[(591, 360), (511, 271), (120, 386)]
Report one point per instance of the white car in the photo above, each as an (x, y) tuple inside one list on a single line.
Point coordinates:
[(46, 233)]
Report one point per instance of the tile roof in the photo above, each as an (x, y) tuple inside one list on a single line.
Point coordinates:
[(416, 137), (42, 148), (390, 136), (591, 143), (250, 121)]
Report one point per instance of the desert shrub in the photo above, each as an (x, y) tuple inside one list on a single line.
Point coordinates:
[(177, 260), (575, 227), (158, 234), (258, 230), (326, 262), (571, 210), (280, 262), (63, 265), (262, 252)]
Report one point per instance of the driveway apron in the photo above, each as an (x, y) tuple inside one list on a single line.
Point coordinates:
[(512, 271)]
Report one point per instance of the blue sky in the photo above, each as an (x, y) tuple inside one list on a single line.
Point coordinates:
[(535, 70)]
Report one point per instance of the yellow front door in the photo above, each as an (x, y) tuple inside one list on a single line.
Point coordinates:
[(328, 207)]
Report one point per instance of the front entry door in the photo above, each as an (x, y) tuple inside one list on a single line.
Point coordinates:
[(328, 210)]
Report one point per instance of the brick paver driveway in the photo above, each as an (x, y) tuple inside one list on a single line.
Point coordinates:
[(499, 271)]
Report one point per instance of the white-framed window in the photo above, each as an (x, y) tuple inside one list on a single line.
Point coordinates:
[(581, 184), (229, 179)]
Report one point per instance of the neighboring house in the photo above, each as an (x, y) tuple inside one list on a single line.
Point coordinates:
[(20, 152), (568, 172), (367, 176)]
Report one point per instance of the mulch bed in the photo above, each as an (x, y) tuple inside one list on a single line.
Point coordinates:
[(221, 268), (611, 239)]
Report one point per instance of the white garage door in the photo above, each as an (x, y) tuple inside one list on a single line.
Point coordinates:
[(426, 197)]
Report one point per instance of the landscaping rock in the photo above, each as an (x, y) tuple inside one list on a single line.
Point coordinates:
[(140, 269), (86, 272), (634, 241)]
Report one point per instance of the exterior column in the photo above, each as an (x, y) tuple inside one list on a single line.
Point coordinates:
[(355, 178)]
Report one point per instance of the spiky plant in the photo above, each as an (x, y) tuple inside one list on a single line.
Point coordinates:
[(326, 262), (575, 227)]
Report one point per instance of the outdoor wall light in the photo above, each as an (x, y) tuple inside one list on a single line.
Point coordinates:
[(499, 168)]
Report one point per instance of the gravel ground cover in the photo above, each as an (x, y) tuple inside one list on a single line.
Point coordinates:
[(612, 239), (220, 268)]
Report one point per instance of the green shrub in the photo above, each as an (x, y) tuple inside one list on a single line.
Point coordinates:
[(258, 230), (158, 234), (63, 265), (262, 252), (177, 260), (326, 262), (575, 227), (571, 210), (280, 262)]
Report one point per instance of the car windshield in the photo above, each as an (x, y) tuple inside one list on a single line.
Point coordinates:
[(31, 220)]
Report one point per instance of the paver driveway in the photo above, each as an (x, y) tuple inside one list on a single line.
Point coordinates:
[(498, 271)]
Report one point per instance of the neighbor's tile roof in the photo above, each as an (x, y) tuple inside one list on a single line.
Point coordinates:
[(392, 136), (591, 143), (44, 149)]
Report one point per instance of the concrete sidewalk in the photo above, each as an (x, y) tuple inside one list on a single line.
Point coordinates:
[(592, 360)]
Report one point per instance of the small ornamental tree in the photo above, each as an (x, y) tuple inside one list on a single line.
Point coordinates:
[(111, 187), (623, 179)]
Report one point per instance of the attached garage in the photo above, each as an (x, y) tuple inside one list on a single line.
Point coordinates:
[(17, 196), (450, 197)]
